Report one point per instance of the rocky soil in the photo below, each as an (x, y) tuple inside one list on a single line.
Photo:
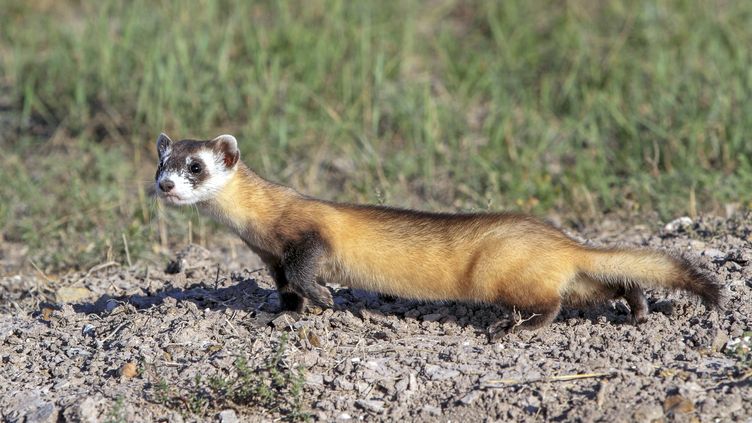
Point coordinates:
[(205, 343)]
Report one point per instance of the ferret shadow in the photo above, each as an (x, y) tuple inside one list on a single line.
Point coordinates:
[(244, 293)]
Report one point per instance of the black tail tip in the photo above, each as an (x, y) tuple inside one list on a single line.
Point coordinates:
[(703, 285)]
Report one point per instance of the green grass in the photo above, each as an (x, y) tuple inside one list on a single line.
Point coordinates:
[(580, 107), (271, 386)]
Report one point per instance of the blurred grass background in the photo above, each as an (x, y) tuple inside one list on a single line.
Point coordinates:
[(578, 108)]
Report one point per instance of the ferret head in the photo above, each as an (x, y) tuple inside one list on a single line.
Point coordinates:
[(194, 171)]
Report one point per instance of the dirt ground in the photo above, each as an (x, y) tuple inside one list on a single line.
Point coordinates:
[(205, 343)]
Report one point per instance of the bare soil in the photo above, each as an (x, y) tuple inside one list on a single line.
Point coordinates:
[(140, 344)]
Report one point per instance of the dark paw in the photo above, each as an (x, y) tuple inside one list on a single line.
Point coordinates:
[(289, 301), (639, 317), (499, 330)]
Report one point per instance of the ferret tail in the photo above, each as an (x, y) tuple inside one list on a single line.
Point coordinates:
[(649, 269)]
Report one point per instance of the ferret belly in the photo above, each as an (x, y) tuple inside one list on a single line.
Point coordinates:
[(417, 280)]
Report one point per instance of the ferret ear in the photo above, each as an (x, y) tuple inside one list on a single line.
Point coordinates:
[(227, 146), (164, 145)]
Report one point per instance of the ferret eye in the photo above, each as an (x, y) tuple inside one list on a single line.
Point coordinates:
[(195, 168)]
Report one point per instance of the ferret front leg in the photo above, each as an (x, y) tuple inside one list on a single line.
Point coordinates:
[(300, 263), (289, 300)]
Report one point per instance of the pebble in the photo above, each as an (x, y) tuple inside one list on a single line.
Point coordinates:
[(714, 254), (72, 294), (374, 406), (648, 413), (282, 322), (677, 224), (435, 372), (696, 245), (84, 410), (433, 317), (470, 397), (314, 379), (88, 329), (430, 409), (227, 416), (31, 408), (111, 305)]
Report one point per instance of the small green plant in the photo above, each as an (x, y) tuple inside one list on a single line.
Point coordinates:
[(116, 414), (272, 386), (162, 393), (740, 348)]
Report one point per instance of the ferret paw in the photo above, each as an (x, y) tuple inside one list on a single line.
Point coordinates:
[(290, 301), (499, 330), (638, 318), (320, 295)]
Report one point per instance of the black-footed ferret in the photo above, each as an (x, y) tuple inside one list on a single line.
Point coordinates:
[(504, 258)]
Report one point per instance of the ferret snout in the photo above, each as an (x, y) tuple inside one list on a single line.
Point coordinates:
[(166, 185)]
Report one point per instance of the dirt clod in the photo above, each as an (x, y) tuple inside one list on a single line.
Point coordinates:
[(129, 370)]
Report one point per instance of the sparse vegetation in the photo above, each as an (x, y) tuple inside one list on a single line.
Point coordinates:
[(741, 349), (116, 413), (272, 385)]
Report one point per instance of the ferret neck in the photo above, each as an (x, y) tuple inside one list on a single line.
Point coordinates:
[(249, 202)]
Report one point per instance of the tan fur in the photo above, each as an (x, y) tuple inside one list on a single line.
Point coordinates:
[(493, 258)]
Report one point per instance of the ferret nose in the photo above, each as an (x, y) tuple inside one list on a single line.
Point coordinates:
[(166, 185)]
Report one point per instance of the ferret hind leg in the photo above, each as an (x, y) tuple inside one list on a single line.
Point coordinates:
[(537, 318)]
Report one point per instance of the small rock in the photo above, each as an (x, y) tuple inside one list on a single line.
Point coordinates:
[(648, 413), (314, 379), (677, 404), (367, 315), (470, 397), (677, 224), (413, 385), (435, 372), (412, 313), (346, 385), (696, 245), (719, 340), (88, 329), (71, 294), (344, 416), (374, 406), (433, 317), (85, 410), (227, 416), (110, 305), (30, 407), (731, 403), (282, 322), (430, 409), (645, 368), (349, 319), (714, 254)]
